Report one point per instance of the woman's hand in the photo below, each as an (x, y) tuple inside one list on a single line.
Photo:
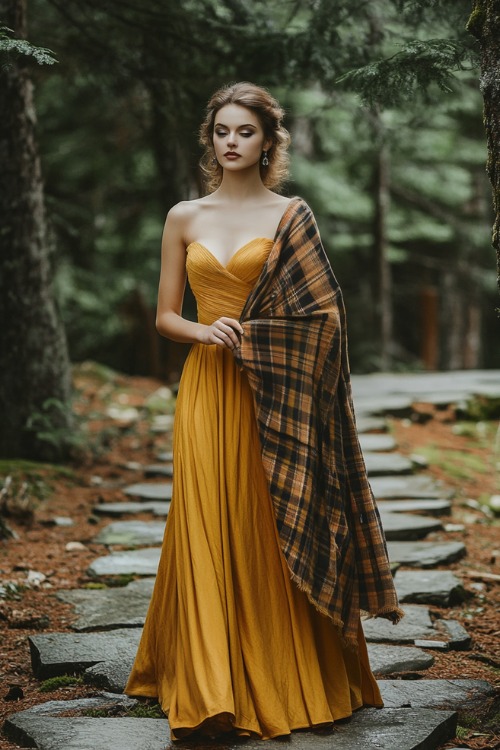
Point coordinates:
[(223, 332)]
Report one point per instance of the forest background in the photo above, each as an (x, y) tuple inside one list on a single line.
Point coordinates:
[(388, 147)]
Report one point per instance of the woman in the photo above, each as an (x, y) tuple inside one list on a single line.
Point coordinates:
[(273, 543)]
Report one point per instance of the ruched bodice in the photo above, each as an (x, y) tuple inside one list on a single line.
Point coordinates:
[(222, 290)]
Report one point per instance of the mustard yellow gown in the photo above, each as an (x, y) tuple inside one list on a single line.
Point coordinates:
[(230, 643)]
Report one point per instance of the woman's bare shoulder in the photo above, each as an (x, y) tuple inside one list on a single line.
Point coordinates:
[(185, 212)]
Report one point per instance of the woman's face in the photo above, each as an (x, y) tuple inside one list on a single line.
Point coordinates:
[(238, 138)]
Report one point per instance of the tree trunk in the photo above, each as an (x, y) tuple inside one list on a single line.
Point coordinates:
[(34, 363), (484, 24), (383, 277)]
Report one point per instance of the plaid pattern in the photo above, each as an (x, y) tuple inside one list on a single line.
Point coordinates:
[(294, 352)]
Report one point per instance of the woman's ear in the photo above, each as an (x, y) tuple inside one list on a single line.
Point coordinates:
[(267, 144)]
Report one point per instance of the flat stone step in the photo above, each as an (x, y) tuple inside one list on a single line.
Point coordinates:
[(407, 488), (380, 729), (439, 587), (370, 424), (162, 423), (132, 533), (384, 464), (377, 442), (416, 624), (103, 609), (145, 491), (428, 387), (53, 654), (450, 694), (142, 562), (165, 456), (425, 554), (157, 508), (383, 403), (388, 659), (402, 527), (159, 470), (110, 675), (427, 507)]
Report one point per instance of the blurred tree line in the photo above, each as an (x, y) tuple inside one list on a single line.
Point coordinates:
[(388, 147)]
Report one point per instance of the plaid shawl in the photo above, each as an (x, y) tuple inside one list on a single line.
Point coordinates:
[(294, 352)]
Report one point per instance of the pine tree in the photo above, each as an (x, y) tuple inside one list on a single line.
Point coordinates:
[(34, 366), (484, 24)]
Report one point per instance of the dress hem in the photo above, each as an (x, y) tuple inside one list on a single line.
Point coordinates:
[(248, 730)]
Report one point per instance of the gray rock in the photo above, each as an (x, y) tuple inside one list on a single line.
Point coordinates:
[(416, 624), (101, 609), (377, 442), (380, 464), (386, 659), (459, 639), (401, 526), (448, 694), (53, 654), (63, 521), (145, 491), (142, 562), (425, 554), (443, 387), (157, 508), (435, 645), (383, 403), (165, 456), (101, 700), (132, 533), (110, 675), (440, 587), (159, 470), (377, 729), (404, 488), (427, 507), (365, 423), (85, 733), (162, 423)]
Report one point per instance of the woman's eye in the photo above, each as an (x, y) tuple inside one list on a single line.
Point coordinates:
[(246, 135), (220, 133)]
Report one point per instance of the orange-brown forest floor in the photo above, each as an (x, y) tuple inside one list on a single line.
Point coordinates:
[(461, 453)]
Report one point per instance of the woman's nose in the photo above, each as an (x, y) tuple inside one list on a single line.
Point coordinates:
[(231, 140)]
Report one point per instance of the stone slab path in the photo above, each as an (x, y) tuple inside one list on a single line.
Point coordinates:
[(109, 608), (406, 488), (157, 508), (146, 491), (427, 507), (425, 554), (385, 729), (385, 464), (439, 587), (412, 506)]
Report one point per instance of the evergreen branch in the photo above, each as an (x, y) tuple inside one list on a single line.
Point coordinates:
[(9, 45), (417, 66)]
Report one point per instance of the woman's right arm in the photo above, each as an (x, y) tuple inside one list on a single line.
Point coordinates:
[(169, 321)]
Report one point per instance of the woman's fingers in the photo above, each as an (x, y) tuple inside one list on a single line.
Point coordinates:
[(226, 332)]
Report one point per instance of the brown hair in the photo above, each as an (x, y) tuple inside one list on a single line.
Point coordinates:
[(270, 115)]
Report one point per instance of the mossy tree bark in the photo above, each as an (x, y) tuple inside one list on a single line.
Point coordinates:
[(34, 363), (484, 24)]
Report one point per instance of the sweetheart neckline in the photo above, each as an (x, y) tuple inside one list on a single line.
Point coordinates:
[(243, 247), (283, 215)]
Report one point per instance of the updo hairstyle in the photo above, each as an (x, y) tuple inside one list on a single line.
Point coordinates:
[(270, 116)]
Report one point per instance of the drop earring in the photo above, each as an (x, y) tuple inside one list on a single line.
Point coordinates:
[(265, 160)]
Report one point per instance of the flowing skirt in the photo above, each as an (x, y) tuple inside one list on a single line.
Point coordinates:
[(230, 642)]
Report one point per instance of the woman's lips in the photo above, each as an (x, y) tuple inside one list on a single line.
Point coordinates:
[(231, 155)]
